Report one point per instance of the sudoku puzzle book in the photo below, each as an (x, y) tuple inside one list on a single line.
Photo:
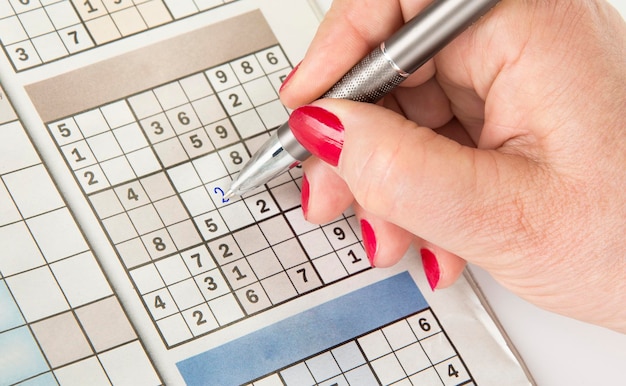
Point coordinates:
[(122, 124)]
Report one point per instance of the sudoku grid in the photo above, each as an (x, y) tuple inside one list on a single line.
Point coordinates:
[(411, 351), (155, 166), (35, 32), (60, 322)]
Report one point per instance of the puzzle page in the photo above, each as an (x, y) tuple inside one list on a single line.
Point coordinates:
[(121, 261)]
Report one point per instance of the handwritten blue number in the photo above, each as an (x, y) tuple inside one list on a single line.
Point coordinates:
[(220, 191)]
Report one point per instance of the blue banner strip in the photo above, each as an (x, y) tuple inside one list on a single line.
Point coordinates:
[(303, 335)]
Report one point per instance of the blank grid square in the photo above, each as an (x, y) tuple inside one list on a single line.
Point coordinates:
[(33, 191), (388, 369), (106, 324), (16, 150), (19, 250), (85, 372), (61, 339), (129, 364), (15, 368), (39, 281), (129, 21), (62, 14), (298, 375), (49, 47), (57, 235), (36, 22), (323, 367)]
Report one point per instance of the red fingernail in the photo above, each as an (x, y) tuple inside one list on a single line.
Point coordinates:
[(431, 267), (319, 131), (305, 195), (282, 86), (369, 240)]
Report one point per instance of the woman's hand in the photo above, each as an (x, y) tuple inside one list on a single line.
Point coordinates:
[(507, 150)]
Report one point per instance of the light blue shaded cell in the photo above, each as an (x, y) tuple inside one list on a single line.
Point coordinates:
[(10, 316), (46, 379), (20, 357)]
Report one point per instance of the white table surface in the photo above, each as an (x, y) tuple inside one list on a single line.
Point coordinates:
[(557, 350)]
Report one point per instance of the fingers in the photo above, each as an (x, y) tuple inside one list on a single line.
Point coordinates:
[(441, 267), (384, 242), (324, 194), (360, 25), (451, 195)]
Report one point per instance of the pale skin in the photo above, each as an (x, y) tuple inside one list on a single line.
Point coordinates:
[(507, 150)]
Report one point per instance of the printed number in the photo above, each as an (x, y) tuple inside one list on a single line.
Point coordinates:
[(237, 271), (221, 131), (355, 258), (211, 226), (91, 178), (132, 195), (159, 245), (199, 317), (183, 118), (424, 325), (271, 58), (78, 156), (91, 8), (21, 54), (236, 157), (74, 35), (225, 250), (235, 99), (64, 130), (195, 141), (158, 129), (303, 272), (196, 256), (158, 302), (263, 205), (247, 68), (211, 285), (341, 235), (452, 372), (221, 75), (252, 297)]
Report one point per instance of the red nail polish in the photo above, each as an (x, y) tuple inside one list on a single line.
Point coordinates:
[(431, 267), (282, 86), (319, 131), (369, 241), (305, 195)]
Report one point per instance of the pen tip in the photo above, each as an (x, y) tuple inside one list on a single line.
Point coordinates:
[(229, 194)]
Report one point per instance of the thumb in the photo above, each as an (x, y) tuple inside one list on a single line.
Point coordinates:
[(453, 196)]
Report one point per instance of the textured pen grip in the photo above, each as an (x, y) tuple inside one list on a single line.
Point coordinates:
[(368, 81)]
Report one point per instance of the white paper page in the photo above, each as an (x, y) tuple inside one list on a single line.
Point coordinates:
[(120, 263)]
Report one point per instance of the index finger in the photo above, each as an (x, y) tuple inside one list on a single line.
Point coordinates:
[(350, 30)]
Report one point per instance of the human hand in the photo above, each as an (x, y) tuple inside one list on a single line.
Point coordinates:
[(507, 150)]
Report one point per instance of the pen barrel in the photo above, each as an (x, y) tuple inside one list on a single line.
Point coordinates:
[(432, 29), (369, 80)]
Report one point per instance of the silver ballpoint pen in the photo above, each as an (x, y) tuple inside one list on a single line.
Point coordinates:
[(369, 80)]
